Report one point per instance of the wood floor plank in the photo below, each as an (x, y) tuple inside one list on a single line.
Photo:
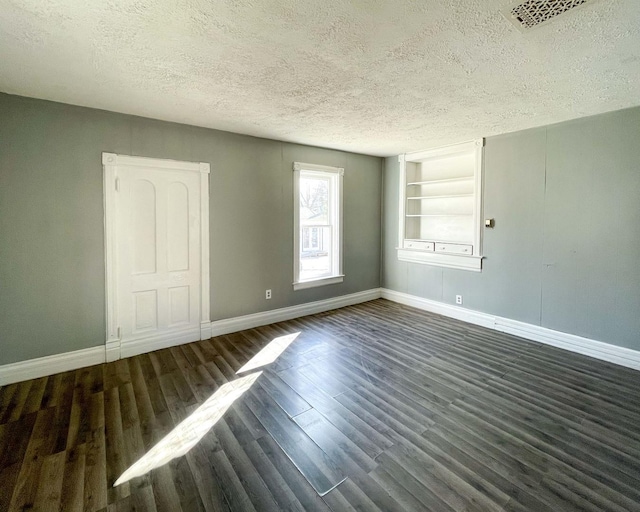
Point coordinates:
[(404, 487), (89, 381), (339, 447), (50, 391), (298, 484), (235, 493), (599, 497), (313, 395), (317, 374), (252, 482), (36, 394), (48, 493), (185, 485), (164, 489), (285, 396), (144, 500), (17, 402), (8, 479), (364, 494), (463, 457), (115, 446), (278, 487), (320, 470), (563, 432), (39, 446), (15, 438), (358, 431), (64, 406), (134, 451), (72, 494), (208, 486), (235, 420), (95, 475), (360, 408), (384, 415), (6, 395), (566, 453), (26, 486)]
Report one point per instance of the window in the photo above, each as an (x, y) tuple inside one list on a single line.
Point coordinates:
[(318, 225)]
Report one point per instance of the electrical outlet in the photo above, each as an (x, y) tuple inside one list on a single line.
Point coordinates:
[(268, 294), (458, 299)]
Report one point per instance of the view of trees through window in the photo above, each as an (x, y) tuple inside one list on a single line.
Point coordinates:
[(315, 227)]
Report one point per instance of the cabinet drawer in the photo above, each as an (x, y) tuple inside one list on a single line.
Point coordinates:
[(454, 248), (418, 244)]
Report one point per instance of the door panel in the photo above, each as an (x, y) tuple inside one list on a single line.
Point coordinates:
[(179, 305), (145, 313), (178, 227), (158, 215), (144, 227)]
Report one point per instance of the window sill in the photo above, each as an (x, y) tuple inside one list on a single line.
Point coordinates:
[(473, 263), (323, 281)]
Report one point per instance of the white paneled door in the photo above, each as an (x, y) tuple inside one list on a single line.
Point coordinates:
[(156, 262)]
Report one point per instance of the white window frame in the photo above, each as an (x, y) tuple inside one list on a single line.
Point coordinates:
[(335, 174)]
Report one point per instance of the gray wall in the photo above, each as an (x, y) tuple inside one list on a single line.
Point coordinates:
[(51, 219), (565, 251)]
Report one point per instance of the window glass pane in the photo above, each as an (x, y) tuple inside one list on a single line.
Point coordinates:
[(314, 200), (315, 253)]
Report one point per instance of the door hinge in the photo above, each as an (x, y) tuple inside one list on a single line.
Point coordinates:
[(118, 332), (117, 184)]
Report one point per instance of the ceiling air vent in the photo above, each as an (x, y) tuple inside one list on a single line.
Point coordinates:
[(532, 13)]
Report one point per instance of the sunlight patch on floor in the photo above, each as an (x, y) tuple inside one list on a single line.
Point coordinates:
[(269, 353), (187, 434)]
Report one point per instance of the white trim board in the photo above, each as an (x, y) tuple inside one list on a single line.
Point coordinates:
[(36, 368), (157, 342), (241, 323), (585, 346), (42, 366)]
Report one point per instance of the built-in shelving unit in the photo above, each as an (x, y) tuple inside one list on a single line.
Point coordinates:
[(441, 206)]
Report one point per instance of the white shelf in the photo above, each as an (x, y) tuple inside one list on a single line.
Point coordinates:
[(440, 215), (445, 196), (445, 180)]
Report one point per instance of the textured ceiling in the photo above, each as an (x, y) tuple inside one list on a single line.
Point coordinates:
[(372, 76)]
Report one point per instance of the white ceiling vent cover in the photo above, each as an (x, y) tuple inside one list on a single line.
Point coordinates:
[(532, 13)]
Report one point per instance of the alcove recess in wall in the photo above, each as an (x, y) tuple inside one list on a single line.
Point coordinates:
[(441, 206)]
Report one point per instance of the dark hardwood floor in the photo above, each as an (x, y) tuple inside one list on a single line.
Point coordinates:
[(372, 407)]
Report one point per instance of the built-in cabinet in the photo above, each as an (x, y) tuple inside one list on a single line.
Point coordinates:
[(441, 206)]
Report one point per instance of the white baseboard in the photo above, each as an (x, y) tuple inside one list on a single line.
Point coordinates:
[(35, 368), (440, 308), (205, 330), (588, 347), (112, 351), (593, 348), (241, 323), (40, 367), (156, 342)]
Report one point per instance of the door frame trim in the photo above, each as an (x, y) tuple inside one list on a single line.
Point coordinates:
[(110, 164)]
